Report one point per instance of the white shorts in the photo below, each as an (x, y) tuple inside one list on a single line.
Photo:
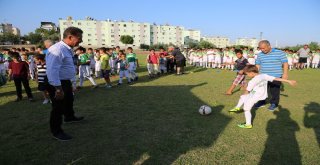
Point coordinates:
[(315, 60), (290, 61), (229, 60), (211, 58), (217, 60), (249, 101)]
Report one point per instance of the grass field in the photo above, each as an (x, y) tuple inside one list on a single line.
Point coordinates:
[(156, 121)]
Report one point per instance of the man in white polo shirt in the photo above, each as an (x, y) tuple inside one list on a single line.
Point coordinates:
[(303, 56)]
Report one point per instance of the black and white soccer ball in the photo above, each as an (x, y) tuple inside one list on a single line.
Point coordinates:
[(205, 110)]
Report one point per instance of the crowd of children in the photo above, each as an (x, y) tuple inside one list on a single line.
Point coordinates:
[(226, 58)]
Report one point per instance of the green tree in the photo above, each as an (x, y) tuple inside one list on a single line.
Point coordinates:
[(34, 38), (205, 44), (314, 46), (126, 39), (144, 46), (9, 37)]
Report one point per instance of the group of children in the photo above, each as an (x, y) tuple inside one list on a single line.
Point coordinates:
[(226, 58), (219, 58), (313, 59), (21, 65)]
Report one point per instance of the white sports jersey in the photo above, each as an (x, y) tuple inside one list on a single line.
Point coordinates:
[(258, 86)]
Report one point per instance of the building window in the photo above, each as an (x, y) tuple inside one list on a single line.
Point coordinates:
[(89, 34), (112, 25), (89, 40), (112, 36), (124, 25), (64, 23), (79, 23)]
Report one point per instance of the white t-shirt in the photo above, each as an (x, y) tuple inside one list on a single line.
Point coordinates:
[(258, 86)]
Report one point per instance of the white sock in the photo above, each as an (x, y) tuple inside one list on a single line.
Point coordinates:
[(248, 116), (92, 81)]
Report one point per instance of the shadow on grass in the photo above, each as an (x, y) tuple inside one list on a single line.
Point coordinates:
[(131, 125), (312, 118), (281, 146)]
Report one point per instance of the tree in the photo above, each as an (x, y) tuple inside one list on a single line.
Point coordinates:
[(144, 46), (314, 46), (205, 44), (9, 37), (34, 38), (126, 39)]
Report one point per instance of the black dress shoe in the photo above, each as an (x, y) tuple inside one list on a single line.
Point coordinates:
[(62, 136), (74, 119)]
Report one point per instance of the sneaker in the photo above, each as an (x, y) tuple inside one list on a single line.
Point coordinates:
[(95, 86), (45, 101), (108, 86), (235, 109), (245, 126), (259, 105), (119, 84), (62, 137), (272, 107), (74, 119)]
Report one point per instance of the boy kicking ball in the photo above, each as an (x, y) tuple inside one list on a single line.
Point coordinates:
[(256, 91)]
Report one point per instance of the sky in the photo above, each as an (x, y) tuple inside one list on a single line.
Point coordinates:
[(282, 22)]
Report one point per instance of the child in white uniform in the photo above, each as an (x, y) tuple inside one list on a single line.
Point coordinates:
[(315, 59), (256, 91)]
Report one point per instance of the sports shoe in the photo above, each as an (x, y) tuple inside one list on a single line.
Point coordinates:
[(45, 101), (108, 86), (235, 109), (272, 107), (245, 126), (119, 84), (31, 99), (62, 136), (94, 86), (74, 119)]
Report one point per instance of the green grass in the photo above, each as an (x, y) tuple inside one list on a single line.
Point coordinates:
[(157, 122)]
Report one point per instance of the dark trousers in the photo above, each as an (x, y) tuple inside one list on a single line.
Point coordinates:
[(274, 90), (61, 107), (170, 65), (25, 82)]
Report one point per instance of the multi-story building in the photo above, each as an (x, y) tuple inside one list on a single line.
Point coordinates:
[(166, 34), (220, 42), (191, 35), (48, 26), (16, 31), (108, 33), (5, 28), (8, 28), (252, 42)]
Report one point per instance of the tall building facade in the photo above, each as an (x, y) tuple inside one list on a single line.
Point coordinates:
[(252, 42), (108, 33), (220, 42)]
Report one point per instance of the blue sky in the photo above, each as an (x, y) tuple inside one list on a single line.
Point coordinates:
[(290, 22)]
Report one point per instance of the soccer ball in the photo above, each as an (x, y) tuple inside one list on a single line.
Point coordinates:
[(205, 110)]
